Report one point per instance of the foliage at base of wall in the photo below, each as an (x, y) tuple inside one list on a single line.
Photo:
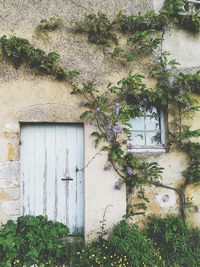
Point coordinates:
[(32, 240), (165, 242), (126, 246), (178, 244)]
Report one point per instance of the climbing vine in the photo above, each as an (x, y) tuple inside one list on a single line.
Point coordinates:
[(131, 96), (19, 51), (111, 111), (98, 28), (102, 31), (48, 25)]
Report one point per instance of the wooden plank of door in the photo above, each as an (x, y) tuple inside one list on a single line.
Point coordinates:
[(25, 179), (61, 172), (27, 170), (50, 151), (79, 178), (72, 152), (40, 169)]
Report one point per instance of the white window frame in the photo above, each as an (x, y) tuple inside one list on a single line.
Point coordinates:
[(193, 6), (194, 1), (149, 148)]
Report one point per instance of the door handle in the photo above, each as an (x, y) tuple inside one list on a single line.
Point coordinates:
[(67, 179)]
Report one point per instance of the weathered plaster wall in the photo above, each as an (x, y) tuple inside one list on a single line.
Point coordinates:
[(26, 97), (158, 4), (184, 47)]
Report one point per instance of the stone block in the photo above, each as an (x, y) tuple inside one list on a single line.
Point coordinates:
[(10, 207), (9, 194), (9, 183), (9, 170)]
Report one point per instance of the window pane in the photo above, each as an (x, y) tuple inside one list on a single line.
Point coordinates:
[(138, 139), (152, 111), (137, 124), (148, 131), (152, 123), (153, 138)]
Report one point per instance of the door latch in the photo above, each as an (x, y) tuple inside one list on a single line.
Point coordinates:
[(67, 179)]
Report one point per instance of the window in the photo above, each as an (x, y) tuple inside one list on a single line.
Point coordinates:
[(148, 131), (193, 6), (194, 1)]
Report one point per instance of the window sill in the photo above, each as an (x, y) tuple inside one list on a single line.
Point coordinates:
[(148, 150)]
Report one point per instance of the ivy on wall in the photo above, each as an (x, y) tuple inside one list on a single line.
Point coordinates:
[(112, 110)]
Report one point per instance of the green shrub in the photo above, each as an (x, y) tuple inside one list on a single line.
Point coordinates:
[(98, 28), (194, 243), (179, 245), (167, 242), (126, 246), (48, 25), (149, 21), (32, 240)]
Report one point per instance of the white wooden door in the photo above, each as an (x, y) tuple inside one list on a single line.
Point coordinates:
[(50, 154)]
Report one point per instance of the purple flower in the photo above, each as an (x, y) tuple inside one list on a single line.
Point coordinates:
[(109, 127), (118, 185), (113, 130), (109, 131), (117, 109), (129, 170), (117, 129), (109, 137), (82, 104)]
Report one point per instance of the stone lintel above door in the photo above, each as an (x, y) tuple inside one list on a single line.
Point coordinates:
[(49, 112)]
